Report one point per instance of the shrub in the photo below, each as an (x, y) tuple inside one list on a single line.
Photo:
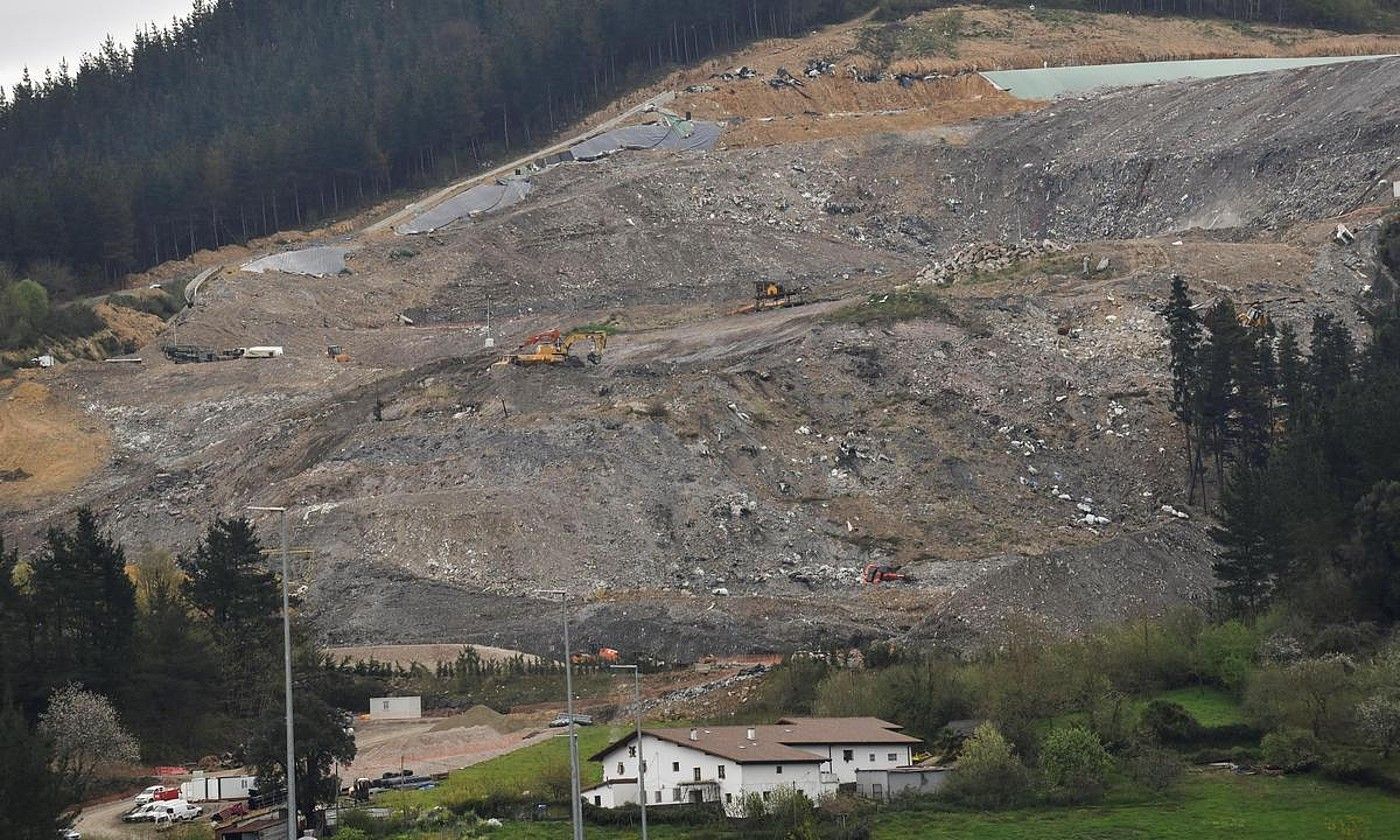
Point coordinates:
[(1154, 768), (1291, 750), (1166, 722), (351, 834), (1074, 764), (989, 774), (1378, 719), (1226, 653)]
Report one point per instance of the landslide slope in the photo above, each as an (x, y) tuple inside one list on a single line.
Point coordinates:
[(718, 481)]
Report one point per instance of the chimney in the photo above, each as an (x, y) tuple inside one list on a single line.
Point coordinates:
[(694, 734), (751, 735)]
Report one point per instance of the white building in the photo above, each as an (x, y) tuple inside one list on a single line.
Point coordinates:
[(395, 708), (726, 763)]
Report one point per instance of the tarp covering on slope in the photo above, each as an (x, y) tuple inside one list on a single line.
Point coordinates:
[(678, 135), (316, 261), (1052, 82), (482, 198)]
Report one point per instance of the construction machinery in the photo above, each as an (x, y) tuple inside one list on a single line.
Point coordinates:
[(770, 294), (881, 573), (552, 347)]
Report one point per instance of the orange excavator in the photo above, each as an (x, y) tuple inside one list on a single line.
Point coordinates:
[(881, 573), (552, 347)]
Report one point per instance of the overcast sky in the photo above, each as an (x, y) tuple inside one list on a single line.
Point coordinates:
[(38, 33)]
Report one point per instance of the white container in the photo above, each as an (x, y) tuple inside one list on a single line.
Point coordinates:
[(262, 352), (395, 708)]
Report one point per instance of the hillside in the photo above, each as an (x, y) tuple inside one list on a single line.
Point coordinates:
[(717, 483)]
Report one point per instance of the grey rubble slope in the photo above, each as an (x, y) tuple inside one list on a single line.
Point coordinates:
[(768, 455)]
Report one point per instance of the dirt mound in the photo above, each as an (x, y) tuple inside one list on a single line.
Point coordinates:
[(477, 716)]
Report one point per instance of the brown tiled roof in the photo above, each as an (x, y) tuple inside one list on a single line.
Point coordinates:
[(849, 730), (773, 744)]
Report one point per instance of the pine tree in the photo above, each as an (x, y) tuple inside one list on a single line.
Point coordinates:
[(1292, 374), (1247, 565), (1184, 337), (229, 583), (89, 607)]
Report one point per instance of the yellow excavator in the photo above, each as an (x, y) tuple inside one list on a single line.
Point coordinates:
[(552, 347), (769, 294)]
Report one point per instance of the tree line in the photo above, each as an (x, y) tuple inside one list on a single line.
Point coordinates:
[(1296, 450), (106, 661), (249, 117)]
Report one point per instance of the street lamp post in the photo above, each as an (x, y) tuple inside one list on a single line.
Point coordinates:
[(575, 804), (641, 757), (291, 766)]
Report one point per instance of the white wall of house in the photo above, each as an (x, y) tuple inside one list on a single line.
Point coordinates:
[(846, 759), (766, 779)]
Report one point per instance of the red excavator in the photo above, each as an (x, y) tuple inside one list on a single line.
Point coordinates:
[(881, 573)]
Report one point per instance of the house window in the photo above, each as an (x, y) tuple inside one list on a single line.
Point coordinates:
[(728, 798), (719, 771), (597, 802), (620, 771), (631, 752), (675, 794), (872, 758), (779, 770), (848, 755), (892, 757), (675, 767), (765, 794), (657, 798), (697, 773)]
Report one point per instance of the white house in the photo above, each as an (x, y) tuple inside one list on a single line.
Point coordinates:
[(726, 763)]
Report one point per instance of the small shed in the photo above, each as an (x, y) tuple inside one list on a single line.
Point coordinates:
[(395, 708), (894, 782)]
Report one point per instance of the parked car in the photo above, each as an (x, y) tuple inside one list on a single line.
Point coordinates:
[(149, 794), (142, 813), (562, 719)]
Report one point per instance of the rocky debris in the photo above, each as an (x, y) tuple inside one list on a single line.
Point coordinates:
[(769, 456), (975, 258), (819, 67), (737, 73)]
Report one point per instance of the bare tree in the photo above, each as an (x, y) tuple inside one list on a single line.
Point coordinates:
[(86, 735)]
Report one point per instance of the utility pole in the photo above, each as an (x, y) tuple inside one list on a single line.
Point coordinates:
[(291, 766), (575, 803), (641, 757)]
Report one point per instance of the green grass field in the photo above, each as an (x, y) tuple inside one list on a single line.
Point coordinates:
[(515, 772), (1209, 706), (1208, 805), (1214, 805)]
